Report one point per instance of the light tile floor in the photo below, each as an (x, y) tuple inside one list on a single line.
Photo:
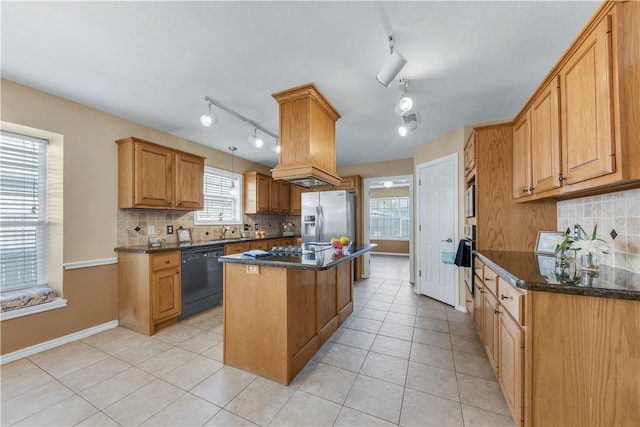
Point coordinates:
[(400, 359)]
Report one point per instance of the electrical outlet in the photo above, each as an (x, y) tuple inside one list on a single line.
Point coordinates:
[(151, 230), (576, 231), (169, 229), (257, 227)]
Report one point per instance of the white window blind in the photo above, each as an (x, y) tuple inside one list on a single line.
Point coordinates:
[(390, 218), (220, 206), (23, 225)]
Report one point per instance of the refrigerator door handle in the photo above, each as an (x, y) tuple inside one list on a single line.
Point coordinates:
[(318, 222)]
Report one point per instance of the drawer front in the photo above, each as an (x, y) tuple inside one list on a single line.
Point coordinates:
[(163, 260), (236, 248), (491, 280), (477, 268), (512, 299)]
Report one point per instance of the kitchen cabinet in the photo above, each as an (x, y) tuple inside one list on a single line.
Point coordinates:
[(583, 118), (511, 357), (149, 290), (257, 193), (521, 157), (151, 176), (587, 110), (501, 222), (295, 199), (470, 158), (498, 317), (236, 248), (279, 197)]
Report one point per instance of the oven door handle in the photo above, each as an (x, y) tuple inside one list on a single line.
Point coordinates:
[(449, 240)]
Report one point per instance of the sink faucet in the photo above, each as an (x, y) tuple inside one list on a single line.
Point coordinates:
[(224, 232)]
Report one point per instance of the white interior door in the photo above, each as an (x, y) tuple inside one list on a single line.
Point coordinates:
[(437, 228)]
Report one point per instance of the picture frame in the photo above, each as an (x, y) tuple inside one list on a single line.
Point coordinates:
[(547, 241), (184, 235)]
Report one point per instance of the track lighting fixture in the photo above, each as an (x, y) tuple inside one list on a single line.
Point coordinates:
[(233, 191), (393, 66), (276, 147), (209, 118), (409, 125), (254, 139), (405, 104)]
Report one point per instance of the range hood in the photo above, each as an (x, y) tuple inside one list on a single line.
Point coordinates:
[(307, 138)]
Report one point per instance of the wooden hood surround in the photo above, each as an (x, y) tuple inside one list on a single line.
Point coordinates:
[(307, 138)]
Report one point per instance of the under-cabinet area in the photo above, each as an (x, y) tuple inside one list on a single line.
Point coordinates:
[(560, 351)]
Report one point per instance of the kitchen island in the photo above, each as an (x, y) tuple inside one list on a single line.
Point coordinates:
[(279, 310)]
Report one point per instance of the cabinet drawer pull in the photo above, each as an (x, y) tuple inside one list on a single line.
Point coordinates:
[(503, 297)]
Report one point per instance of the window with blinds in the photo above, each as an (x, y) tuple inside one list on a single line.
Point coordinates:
[(23, 216), (220, 205), (390, 218)]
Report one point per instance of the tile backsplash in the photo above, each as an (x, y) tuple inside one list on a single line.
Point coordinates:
[(127, 220), (619, 212)]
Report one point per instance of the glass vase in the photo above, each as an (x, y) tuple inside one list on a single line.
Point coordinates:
[(590, 262)]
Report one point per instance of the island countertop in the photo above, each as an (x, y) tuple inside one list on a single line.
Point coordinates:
[(319, 260), (530, 271)]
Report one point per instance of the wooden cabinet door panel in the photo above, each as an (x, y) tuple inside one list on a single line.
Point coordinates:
[(295, 199), (521, 157), (587, 111), (326, 294), (263, 196), (511, 357), (284, 197), (478, 308), (545, 139), (166, 294), (189, 189), (490, 309), (345, 282), (153, 168), (274, 197)]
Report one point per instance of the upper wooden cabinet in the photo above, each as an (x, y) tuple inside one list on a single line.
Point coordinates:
[(522, 157), (470, 158), (263, 195), (151, 176), (587, 108), (295, 199), (583, 120)]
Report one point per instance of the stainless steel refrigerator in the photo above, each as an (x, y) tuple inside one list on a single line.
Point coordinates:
[(327, 214)]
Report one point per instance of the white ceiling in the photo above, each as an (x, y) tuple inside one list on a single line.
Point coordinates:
[(153, 62)]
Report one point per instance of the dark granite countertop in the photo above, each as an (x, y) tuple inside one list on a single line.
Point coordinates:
[(534, 272), (202, 243), (320, 260)]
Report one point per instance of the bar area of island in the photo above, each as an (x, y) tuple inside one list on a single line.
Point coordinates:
[(279, 310)]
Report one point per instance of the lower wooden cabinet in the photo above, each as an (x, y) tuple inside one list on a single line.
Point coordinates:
[(511, 357), (490, 335), (149, 290)]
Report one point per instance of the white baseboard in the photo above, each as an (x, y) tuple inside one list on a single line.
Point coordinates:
[(389, 253), (47, 345)]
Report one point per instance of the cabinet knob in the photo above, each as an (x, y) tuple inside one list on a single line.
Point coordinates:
[(167, 262), (561, 178), (503, 297), (496, 311), (488, 279), (530, 189)]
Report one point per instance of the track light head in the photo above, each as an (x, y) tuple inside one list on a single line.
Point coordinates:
[(255, 140), (410, 124), (209, 118), (276, 147), (392, 66), (404, 105)]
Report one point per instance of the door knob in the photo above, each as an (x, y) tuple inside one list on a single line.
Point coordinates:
[(449, 240)]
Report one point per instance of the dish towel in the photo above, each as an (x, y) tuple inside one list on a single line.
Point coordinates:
[(463, 258), (257, 253)]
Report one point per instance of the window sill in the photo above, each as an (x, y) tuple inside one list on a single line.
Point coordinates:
[(26, 311)]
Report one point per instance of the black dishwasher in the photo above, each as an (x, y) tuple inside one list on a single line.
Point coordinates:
[(201, 279)]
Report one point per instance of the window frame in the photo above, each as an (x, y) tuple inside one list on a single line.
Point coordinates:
[(400, 219), (38, 225), (228, 175)]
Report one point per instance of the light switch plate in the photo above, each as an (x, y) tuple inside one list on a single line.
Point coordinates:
[(253, 269), (169, 229)]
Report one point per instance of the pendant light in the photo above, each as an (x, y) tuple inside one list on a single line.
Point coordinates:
[(233, 191)]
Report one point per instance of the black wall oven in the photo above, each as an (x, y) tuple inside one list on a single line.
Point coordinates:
[(469, 245)]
